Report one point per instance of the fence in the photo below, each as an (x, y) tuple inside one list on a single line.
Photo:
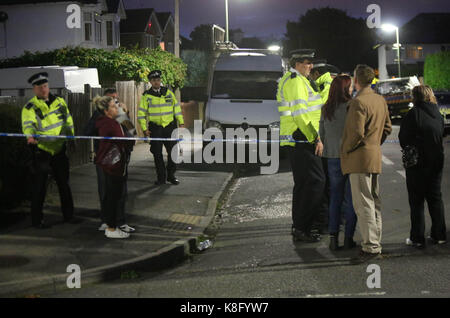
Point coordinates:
[(81, 109)]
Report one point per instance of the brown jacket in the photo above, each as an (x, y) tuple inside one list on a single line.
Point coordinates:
[(366, 127)]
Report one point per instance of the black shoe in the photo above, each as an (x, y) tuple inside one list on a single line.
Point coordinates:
[(173, 180), (158, 183), (42, 226), (349, 243), (306, 237), (73, 220), (334, 242)]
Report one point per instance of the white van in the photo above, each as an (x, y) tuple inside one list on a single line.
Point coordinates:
[(242, 90)]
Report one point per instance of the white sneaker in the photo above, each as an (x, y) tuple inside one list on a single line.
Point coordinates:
[(411, 243), (117, 233), (103, 227), (126, 228)]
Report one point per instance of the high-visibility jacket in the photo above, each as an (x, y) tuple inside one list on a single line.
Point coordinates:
[(40, 119), (159, 108), (324, 83), (299, 107)]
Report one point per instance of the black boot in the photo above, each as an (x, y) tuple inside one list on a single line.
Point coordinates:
[(334, 241), (349, 243)]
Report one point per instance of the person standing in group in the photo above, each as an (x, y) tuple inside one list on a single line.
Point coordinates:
[(112, 159), (47, 114), (366, 128), (158, 113), (332, 124), (423, 128), (300, 109), (91, 130)]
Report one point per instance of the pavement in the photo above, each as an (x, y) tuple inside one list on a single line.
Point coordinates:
[(169, 220)]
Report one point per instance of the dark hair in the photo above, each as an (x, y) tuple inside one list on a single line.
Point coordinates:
[(339, 93), (364, 75), (110, 91)]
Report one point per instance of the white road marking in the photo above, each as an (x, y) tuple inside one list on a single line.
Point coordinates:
[(402, 173), (386, 161)]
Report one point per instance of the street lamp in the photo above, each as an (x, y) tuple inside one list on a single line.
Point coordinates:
[(390, 28), (274, 48), (227, 37)]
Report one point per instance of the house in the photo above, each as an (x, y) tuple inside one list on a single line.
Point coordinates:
[(425, 34), (141, 28), (42, 25), (148, 29), (167, 24)]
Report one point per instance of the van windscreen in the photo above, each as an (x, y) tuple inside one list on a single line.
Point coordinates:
[(245, 85)]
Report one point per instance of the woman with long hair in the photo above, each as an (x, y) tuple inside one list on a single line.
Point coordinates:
[(423, 128), (112, 159), (331, 129)]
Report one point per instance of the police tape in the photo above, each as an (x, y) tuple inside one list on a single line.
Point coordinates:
[(238, 140)]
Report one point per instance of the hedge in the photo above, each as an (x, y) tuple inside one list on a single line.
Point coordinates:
[(118, 65), (437, 71)]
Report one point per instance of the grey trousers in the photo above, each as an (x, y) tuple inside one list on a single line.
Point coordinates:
[(367, 205)]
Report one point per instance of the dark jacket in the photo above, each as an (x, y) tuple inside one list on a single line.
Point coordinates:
[(91, 130), (112, 155), (423, 127)]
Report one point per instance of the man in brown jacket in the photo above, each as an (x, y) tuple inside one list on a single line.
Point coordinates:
[(366, 128)]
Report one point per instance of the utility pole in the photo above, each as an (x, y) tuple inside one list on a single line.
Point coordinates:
[(177, 40)]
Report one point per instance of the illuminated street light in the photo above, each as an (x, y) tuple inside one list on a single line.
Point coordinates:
[(391, 28)]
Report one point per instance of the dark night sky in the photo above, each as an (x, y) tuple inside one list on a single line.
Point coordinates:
[(266, 18)]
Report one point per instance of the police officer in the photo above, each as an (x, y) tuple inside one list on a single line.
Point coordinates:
[(47, 114), (158, 113), (300, 109)]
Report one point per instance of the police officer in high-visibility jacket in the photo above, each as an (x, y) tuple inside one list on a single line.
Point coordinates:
[(300, 109), (47, 114), (158, 113), (322, 79)]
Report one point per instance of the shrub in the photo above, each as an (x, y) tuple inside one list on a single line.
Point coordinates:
[(437, 70)]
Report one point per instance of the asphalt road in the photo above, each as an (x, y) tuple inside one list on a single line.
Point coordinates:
[(253, 254)]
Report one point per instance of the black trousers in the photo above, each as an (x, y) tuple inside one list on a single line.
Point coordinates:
[(58, 165), (423, 184), (309, 186), (114, 187), (102, 197), (156, 149)]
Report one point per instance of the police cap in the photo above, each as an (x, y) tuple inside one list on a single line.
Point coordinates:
[(154, 74), (38, 78)]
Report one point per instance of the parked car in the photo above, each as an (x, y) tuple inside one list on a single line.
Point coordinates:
[(443, 100), (397, 93)]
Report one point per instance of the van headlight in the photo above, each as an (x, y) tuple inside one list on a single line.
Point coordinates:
[(213, 124), (410, 105), (274, 125)]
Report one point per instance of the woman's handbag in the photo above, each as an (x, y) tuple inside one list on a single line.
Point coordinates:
[(410, 156)]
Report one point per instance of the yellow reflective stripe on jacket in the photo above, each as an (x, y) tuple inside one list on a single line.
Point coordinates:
[(159, 110), (39, 118), (324, 80)]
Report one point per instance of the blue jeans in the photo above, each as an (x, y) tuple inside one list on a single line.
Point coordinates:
[(340, 199)]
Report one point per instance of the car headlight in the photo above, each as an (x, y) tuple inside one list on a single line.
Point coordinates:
[(274, 125), (213, 124), (410, 105)]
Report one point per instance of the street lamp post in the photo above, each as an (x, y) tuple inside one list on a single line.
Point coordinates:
[(227, 35), (390, 28)]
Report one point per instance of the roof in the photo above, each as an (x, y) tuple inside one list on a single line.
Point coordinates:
[(163, 18), (113, 5), (425, 28), (136, 20), (11, 2)]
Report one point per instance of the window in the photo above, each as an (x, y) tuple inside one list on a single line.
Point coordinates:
[(87, 26), (2, 34), (109, 33), (245, 85), (117, 33), (98, 31), (414, 52)]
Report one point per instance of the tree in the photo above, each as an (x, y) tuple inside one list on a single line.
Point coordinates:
[(342, 40), (201, 37)]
